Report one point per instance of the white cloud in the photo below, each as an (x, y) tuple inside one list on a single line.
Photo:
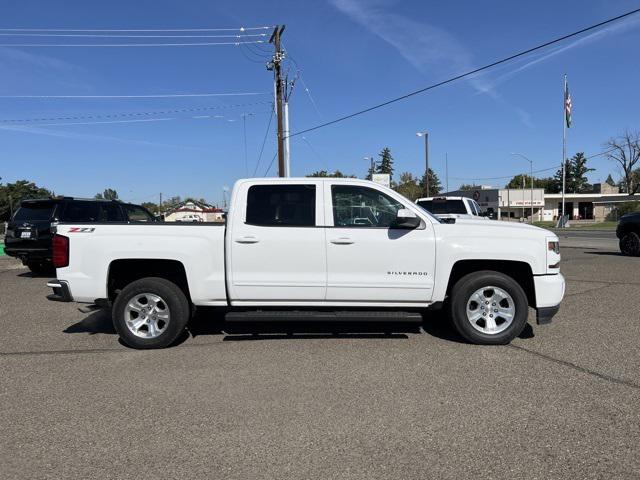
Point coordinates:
[(428, 48), (35, 130)]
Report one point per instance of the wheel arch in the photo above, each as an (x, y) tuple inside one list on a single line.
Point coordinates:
[(521, 272), (122, 272)]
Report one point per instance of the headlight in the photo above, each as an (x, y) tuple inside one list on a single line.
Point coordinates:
[(554, 247)]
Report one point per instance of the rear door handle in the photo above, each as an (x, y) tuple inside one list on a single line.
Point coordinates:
[(342, 241), (247, 239)]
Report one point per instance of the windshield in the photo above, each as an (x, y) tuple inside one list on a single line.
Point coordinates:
[(443, 207), (34, 211)]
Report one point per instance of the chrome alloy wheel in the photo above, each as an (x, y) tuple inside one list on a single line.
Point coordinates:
[(147, 315), (490, 310)]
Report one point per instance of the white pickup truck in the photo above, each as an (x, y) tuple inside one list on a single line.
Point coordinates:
[(311, 244), (453, 208)]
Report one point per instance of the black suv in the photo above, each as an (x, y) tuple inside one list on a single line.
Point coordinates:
[(628, 232), (28, 235)]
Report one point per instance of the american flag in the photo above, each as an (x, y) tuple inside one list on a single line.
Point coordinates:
[(567, 105)]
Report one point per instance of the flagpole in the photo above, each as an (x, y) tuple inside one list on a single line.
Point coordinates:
[(564, 146)]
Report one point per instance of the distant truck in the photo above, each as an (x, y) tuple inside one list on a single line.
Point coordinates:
[(321, 246), (453, 208), (628, 231)]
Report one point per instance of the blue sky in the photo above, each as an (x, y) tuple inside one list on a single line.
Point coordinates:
[(351, 54)]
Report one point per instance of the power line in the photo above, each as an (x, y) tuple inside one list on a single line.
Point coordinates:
[(469, 73), (201, 44), (129, 114), (264, 141), (535, 171), (93, 35), (170, 95), (270, 164), (237, 29)]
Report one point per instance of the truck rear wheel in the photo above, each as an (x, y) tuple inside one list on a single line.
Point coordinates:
[(630, 244), (488, 308), (150, 313)]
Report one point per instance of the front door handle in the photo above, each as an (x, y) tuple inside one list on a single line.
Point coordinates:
[(247, 239), (342, 241)]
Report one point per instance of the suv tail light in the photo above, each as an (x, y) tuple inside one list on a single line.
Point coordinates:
[(60, 255)]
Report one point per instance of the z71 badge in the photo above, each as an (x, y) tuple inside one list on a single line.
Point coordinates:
[(81, 230)]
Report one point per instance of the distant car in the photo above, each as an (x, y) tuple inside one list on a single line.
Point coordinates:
[(28, 235), (628, 232), (451, 208), (191, 218)]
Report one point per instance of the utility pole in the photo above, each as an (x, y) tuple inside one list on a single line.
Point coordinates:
[(523, 197), (275, 65), (426, 159), (446, 169)]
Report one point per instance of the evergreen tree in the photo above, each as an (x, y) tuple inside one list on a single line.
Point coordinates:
[(610, 181), (575, 175), (435, 187), (386, 162)]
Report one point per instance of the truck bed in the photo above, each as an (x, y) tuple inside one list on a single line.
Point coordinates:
[(199, 247)]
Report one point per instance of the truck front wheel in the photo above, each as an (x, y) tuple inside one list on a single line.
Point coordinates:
[(630, 244), (488, 308), (150, 313)]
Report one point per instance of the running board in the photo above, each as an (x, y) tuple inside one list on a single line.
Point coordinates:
[(323, 316)]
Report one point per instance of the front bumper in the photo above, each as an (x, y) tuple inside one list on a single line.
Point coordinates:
[(544, 315), (549, 293), (61, 292)]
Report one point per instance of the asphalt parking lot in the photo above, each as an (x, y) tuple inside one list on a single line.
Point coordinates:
[(562, 401)]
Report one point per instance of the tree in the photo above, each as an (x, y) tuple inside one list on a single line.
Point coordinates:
[(152, 207), (108, 194), (610, 181), (11, 194), (625, 151), (546, 183), (435, 187), (575, 176), (467, 187), (578, 182), (386, 162), (408, 186), (336, 174)]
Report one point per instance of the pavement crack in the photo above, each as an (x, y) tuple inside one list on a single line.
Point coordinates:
[(593, 373)]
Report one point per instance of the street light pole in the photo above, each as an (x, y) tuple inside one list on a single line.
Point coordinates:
[(373, 165), (531, 178), (426, 159)]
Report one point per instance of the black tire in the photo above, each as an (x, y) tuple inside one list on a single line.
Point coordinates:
[(630, 244), (175, 300), (40, 268), (461, 294)]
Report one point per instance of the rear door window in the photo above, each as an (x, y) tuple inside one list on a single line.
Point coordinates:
[(81, 211), (34, 212), (111, 212), (281, 205)]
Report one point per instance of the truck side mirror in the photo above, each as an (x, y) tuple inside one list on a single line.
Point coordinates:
[(405, 218)]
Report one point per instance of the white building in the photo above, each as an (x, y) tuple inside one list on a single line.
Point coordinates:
[(511, 203)]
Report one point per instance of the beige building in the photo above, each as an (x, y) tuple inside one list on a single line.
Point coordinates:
[(597, 206)]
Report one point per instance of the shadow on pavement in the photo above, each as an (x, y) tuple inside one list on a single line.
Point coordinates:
[(212, 322), (98, 322), (615, 254)]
